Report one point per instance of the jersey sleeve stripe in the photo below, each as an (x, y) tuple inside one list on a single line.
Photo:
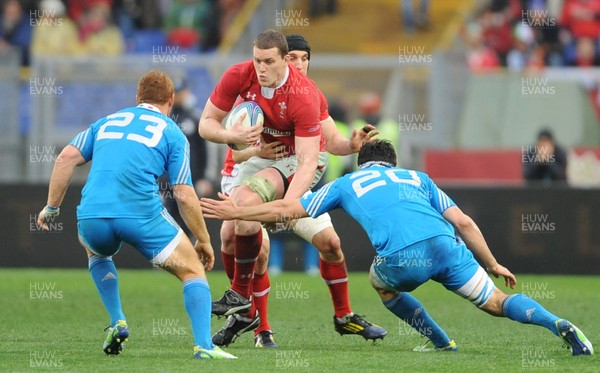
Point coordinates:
[(84, 137), (80, 138), (440, 200), (444, 200), (185, 166), (314, 205)]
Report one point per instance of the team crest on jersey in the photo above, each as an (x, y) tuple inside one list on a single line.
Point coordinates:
[(282, 107), (251, 96)]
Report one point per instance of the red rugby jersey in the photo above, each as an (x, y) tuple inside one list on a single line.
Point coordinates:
[(294, 110)]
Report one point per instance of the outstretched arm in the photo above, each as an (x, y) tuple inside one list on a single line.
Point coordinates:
[(64, 167), (275, 211), (336, 143), (470, 233)]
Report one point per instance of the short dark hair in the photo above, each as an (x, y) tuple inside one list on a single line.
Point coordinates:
[(272, 39), (155, 87), (545, 133), (377, 151)]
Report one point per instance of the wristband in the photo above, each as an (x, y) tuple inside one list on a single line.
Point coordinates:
[(52, 209)]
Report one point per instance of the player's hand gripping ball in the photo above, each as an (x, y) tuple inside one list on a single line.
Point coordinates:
[(254, 116)]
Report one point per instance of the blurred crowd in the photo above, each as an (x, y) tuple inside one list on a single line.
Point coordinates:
[(531, 34), (112, 27)]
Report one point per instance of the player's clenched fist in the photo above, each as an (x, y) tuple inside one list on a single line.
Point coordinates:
[(47, 213), (206, 254)]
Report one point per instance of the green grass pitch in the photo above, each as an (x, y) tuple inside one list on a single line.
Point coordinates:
[(53, 320)]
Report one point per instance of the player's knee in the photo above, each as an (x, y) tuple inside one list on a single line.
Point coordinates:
[(183, 262), (227, 238), (244, 196), (379, 285), (89, 252), (246, 228), (182, 269), (262, 187), (386, 295), (329, 246), (494, 304)]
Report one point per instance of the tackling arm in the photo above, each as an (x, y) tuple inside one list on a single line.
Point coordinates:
[(275, 211), (336, 143), (470, 233)]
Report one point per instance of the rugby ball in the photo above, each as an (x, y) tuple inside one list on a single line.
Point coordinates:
[(254, 116)]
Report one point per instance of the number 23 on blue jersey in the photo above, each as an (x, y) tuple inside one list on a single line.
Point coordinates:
[(154, 129)]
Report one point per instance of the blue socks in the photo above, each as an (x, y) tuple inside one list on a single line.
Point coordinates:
[(103, 272), (196, 298), (521, 308), (409, 309), (197, 301), (517, 307)]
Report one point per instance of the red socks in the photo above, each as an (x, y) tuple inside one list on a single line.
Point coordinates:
[(336, 278), (229, 264), (261, 287), (246, 253)]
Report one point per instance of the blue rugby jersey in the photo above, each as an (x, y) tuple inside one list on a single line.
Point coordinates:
[(129, 150), (395, 206)]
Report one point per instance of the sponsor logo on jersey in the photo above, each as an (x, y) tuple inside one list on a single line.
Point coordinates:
[(276, 133)]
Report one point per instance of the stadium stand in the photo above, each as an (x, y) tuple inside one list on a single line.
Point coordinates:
[(379, 28), (146, 41)]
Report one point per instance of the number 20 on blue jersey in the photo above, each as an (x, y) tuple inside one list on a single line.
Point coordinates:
[(367, 180)]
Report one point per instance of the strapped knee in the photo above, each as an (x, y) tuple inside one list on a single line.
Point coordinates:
[(261, 186), (478, 289), (377, 282)]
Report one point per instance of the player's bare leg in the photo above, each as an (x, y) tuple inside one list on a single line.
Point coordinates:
[(248, 241)]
